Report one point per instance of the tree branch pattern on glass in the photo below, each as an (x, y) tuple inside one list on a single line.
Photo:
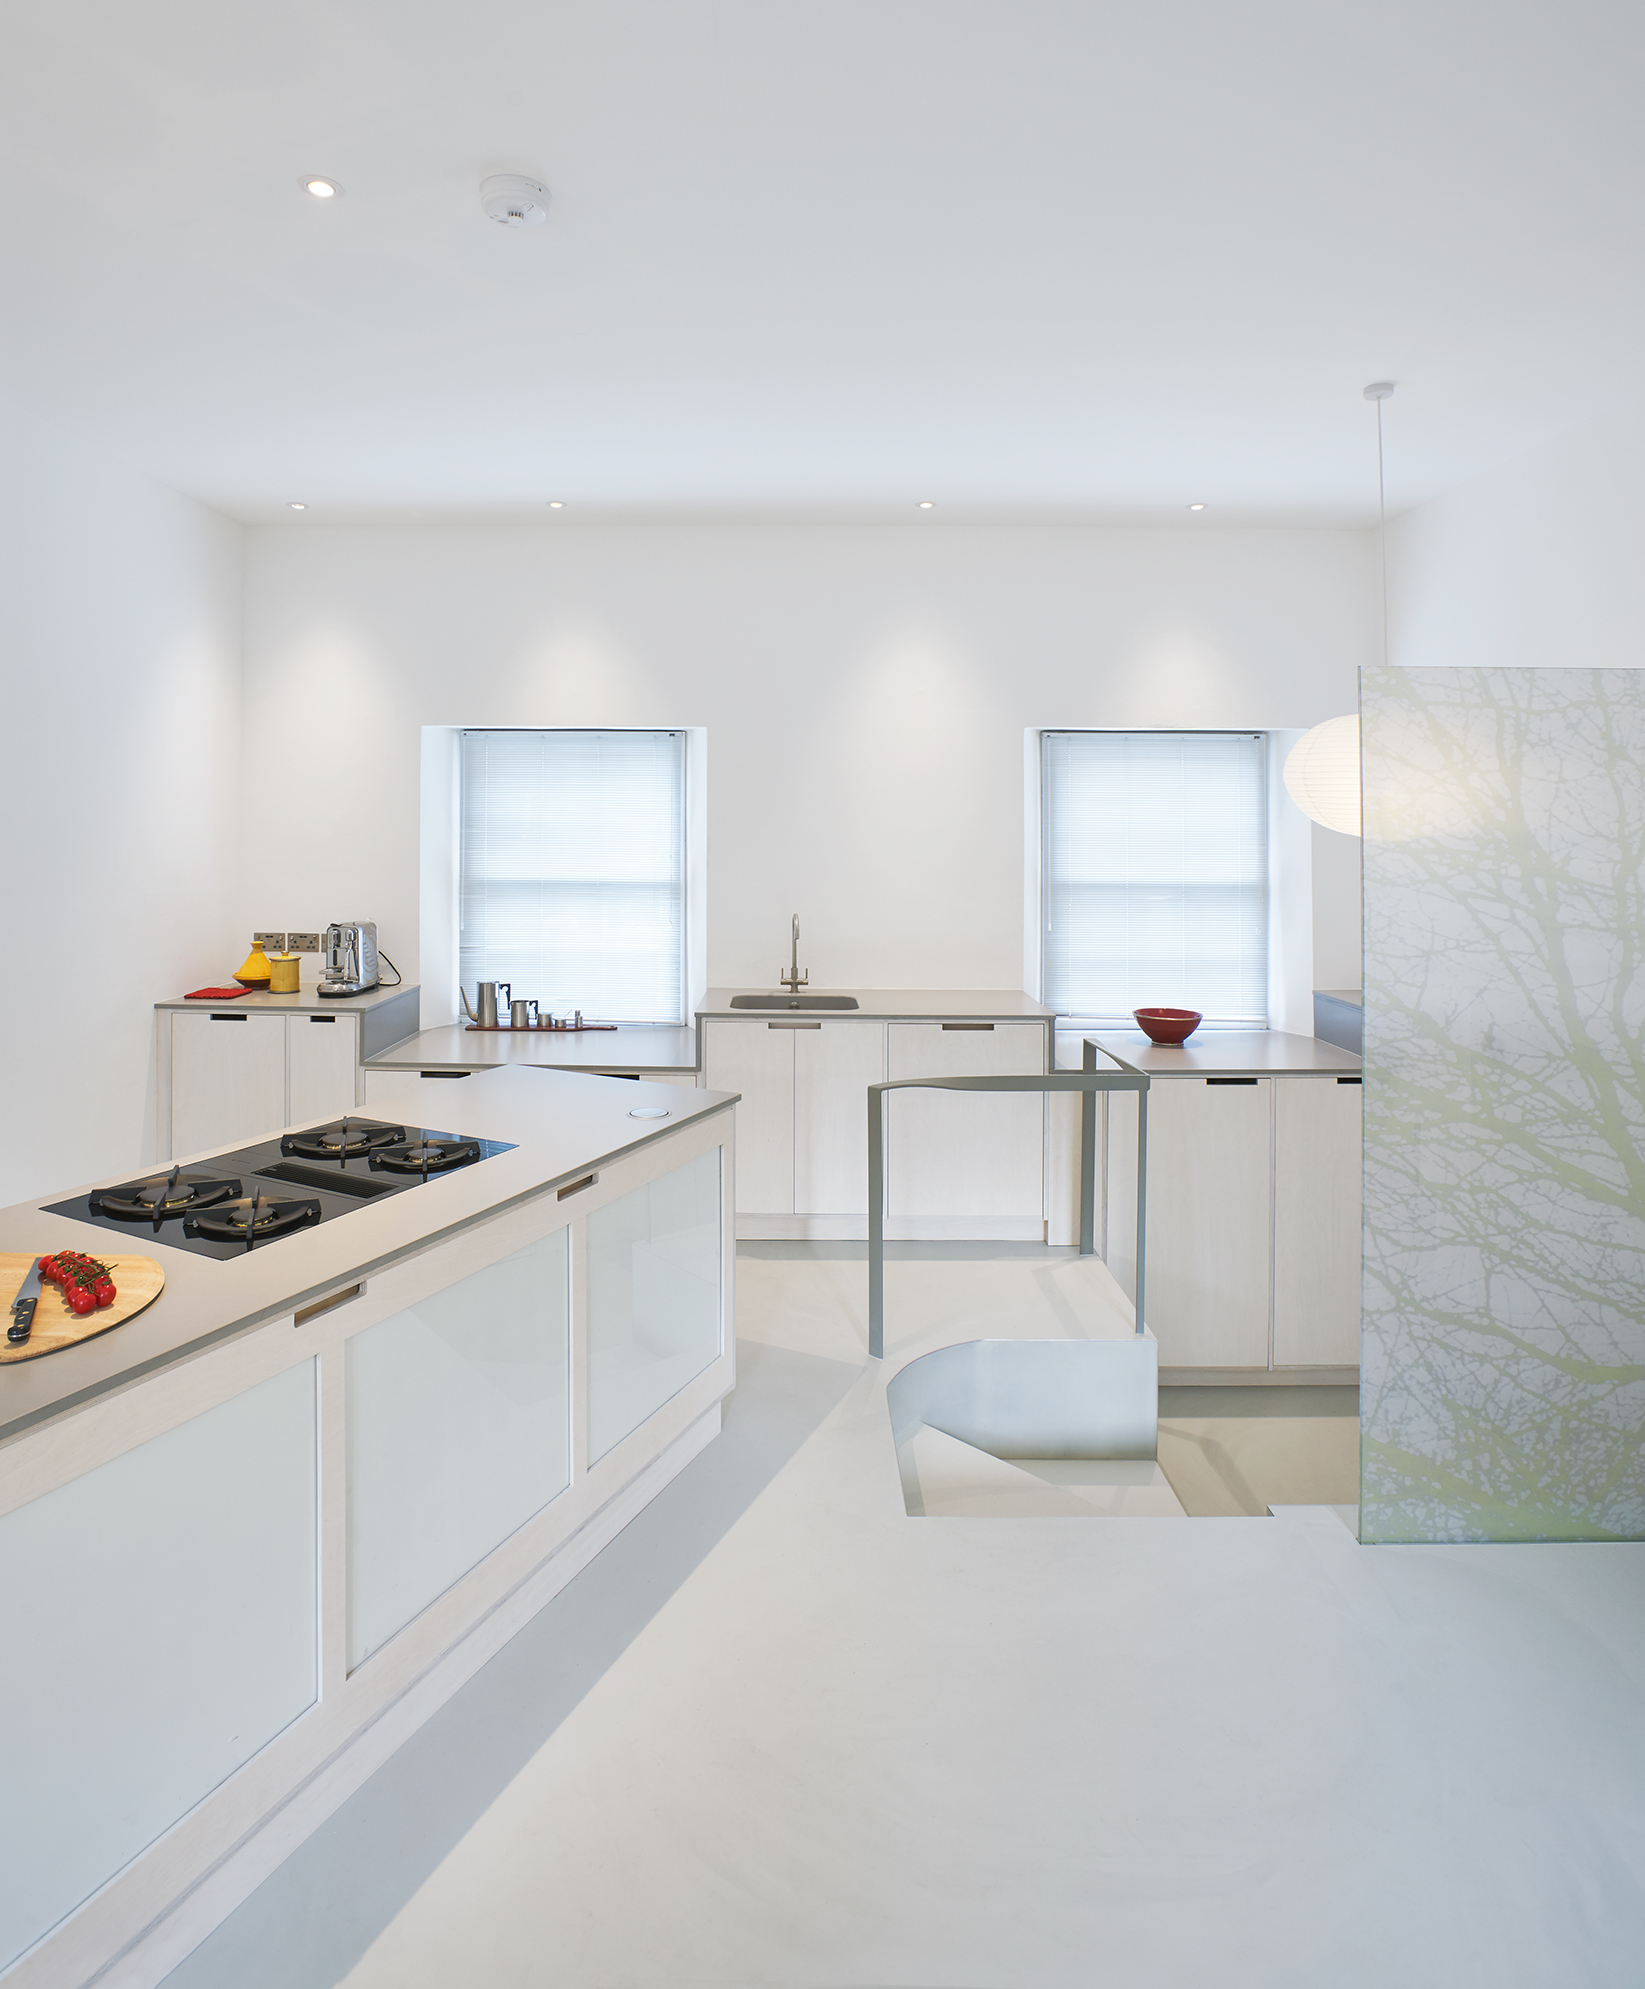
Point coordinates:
[(1503, 1358)]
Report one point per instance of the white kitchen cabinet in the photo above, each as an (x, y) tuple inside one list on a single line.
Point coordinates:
[(239, 1074), (322, 1062), (228, 1078), (1317, 1210), (961, 1163), (1207, 1293), (834, 1064), (756, 1058)]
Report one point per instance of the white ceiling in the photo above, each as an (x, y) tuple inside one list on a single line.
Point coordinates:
[(1025, 258)]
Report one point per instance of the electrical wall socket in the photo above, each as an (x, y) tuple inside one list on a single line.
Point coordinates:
[(271, 942), (302, 942)]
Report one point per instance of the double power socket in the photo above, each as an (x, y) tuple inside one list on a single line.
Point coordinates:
[(288, 942)]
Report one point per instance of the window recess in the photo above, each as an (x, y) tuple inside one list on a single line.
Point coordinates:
[(1154, 874)]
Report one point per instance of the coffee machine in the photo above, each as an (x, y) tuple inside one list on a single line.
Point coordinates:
[(351, 959)]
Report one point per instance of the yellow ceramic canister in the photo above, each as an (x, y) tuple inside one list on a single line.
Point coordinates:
[(284, 972), (255, 973)]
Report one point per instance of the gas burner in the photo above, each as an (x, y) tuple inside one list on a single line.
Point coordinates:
[(252, 1219), (346, 1140), (164, 1197), (426, 1156)]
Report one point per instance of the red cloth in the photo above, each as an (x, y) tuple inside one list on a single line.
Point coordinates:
[(216, 994)]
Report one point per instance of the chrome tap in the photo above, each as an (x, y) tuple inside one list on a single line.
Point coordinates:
[(793, 978)]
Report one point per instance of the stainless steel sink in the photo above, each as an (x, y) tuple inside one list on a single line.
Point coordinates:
[(794, 1001)]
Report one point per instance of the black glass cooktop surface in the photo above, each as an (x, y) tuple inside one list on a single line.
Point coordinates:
[(257, 1196)]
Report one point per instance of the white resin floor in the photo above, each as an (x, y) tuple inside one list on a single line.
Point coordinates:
[(781, 1733)]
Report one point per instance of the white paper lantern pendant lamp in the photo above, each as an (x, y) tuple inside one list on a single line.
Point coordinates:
[(1322, 774)]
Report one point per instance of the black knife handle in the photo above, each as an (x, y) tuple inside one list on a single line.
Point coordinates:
[(22, 1320)]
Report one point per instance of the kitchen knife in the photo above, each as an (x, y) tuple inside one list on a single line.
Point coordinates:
[(22, 1307)]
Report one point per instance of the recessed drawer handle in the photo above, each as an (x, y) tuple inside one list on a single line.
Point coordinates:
[(577, 1187), (968, 1025), (793, 1025), (308, 1312), (445, 1073), (322, 1018), (1350, 1080), (1230, 1080), (231, 1018)]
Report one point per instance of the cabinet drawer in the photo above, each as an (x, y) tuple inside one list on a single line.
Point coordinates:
[(228, 1078), (323, 1057), (834, 1064), (758, 1061), (1206, 1300), (962, 1158), (1317, 1209)]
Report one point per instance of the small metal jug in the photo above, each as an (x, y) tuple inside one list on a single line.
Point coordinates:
[(485, 1004), (522, 1015)]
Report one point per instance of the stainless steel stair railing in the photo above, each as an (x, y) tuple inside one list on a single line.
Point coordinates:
[(1089, 1080)]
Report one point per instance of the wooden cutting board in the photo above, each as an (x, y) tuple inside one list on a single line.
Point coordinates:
[(137, 1283)]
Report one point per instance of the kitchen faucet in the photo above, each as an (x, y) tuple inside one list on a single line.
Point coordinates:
[(793, 978)]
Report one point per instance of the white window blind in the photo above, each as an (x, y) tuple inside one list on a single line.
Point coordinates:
[(1155, 873), (573, 870)]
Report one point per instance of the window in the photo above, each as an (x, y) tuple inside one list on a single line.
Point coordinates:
[(1154, 874), (573, 870)]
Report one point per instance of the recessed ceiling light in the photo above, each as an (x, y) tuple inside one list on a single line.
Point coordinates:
[(295, 506), (926, 504), (321, 189), (1196, 507), (556, 504)]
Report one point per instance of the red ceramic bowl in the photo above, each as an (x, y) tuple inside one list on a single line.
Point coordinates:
[(1167, 1025)]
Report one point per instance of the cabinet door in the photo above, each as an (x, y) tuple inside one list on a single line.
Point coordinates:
[(228, 1078), (1316, 1222), (834, 1064), (757, 1059), (957, 1160), (323, 1053), (1206, 1300)]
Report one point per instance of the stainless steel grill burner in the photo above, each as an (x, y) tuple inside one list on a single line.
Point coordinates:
[(165, 1197), (252, 1219), (347, 1139), (426, 1156)]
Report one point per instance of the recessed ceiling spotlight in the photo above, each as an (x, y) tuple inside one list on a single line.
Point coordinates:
[(556, 504), (295, 506), (1196, 507), (321, 189), (513, 201), (926, 504)]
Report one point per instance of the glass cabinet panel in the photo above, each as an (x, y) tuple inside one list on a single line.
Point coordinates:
[(160, 1629), (458, 1432), (653, 1297)]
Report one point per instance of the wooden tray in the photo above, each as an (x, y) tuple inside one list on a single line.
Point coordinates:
[(137, 1283)]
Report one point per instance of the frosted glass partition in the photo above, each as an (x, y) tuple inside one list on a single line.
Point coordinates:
[(458, 1432), (653, 1297), (1502, 1377), (160, 1629)]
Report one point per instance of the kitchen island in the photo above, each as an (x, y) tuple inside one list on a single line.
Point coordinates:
[(254, 1537)]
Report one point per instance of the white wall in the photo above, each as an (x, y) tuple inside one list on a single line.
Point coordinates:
[(865, 691), (1538, 564), (119, 810)]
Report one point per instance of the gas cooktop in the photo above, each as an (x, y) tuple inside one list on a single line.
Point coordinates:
[(251, 1198)]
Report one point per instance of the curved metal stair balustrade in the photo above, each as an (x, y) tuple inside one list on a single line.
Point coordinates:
[(1088, 1080)]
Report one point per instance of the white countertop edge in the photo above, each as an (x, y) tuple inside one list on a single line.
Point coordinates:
[(306, 1001), (1217, 1053), (333, 1255)]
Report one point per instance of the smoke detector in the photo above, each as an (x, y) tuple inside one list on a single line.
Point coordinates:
[(513, 201)]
